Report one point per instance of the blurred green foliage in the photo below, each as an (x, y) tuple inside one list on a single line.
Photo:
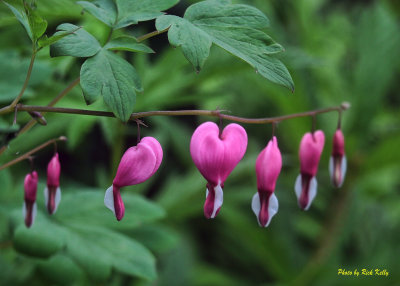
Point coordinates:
[(335, 51)]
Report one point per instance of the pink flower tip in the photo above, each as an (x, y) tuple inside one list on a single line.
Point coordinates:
[(311, 147), (268, 167), (337, 161), (215, 155), (52, 193), (137, 165), (30, 190)]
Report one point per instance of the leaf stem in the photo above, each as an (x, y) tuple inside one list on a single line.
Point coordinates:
[(7, 108), (152, 34), (214, 113), (34, 150)]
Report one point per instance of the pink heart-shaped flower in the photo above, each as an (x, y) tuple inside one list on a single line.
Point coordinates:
[(216, 154), (137, 165)]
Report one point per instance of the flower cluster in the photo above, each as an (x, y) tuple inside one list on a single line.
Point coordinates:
[(52, 192), (216, 153)]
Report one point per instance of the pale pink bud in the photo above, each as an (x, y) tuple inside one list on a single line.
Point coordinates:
[(338, 162), (137, 165), (216, 155), (311, 147), (52, 192), (29, 207), (268, 167)]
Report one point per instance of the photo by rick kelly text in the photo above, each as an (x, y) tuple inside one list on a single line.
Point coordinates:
[(363, 272)]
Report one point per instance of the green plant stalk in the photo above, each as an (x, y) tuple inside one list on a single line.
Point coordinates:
[(6, 109)]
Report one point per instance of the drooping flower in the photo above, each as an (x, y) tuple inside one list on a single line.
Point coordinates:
[(268, 167), (338, 162), (52, 193), (311, 147), (29, 207), (216, 154), (137, 165)]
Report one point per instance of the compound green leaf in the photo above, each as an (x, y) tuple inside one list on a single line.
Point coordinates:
[(115, 79), (134, 11), (235, 28), (129, 44), (22, 18), (104, 10), (78, 43)]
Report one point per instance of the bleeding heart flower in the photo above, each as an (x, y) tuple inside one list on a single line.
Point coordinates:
[(311, 147), (338, 162), (216, 154), (29, 207), (52, 193), (137, 165), (268, 167)]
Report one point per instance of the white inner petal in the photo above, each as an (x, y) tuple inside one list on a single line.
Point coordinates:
[(34, 211), (273, 207), (297, 186), (218, 200), (312, 192), (46, 196), (331, 168), (344, 169), (109, 199), (57, 199), (256, 206)]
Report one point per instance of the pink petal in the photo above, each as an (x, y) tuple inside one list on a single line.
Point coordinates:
[(311, 147), (268, 166), (30, 186), (53, 172), (215, 156), (214, 200), (338, 143), (157, 149), (136, 166)]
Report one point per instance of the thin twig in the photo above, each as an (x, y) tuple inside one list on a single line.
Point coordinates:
[(152, 34), (34, 150), (214, 113)]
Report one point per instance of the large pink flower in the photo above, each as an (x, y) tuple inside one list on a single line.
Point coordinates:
[(52, 193), (137, 165), (216, 154), (338, 162), (268, 167), (29, 207), (311, 147)]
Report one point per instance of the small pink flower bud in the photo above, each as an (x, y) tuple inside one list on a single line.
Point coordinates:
[(338, 162), (311, 147), (268, 167), (52, 192), (137, 165), (29, 207), (216, 155)]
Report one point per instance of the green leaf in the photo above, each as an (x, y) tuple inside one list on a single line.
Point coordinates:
[(22, 18), (112, 77), (138, 211), (60, 269), (43, 239), (36, 22), (104, 10), (235, 28), (78, 236), (134, 11), (78, 43), (129, 44), (45, 41)]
